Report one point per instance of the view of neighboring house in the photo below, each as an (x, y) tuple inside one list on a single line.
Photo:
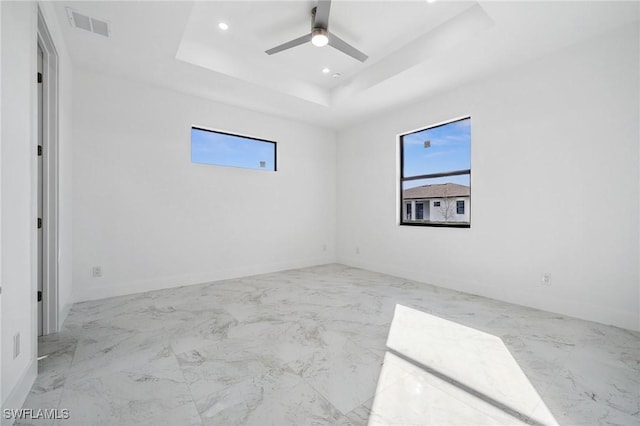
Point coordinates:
[(446, 202)]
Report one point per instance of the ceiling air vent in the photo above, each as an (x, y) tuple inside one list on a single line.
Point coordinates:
[(97, 26)]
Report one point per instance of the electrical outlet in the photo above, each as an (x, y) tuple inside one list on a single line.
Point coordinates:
[(324, 247), (96, 271), (357, 250), (545, 278), (16, 345)]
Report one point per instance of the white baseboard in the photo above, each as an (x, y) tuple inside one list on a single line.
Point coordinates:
[(19, 393), (587, 312), (92, 292), (64, 313)]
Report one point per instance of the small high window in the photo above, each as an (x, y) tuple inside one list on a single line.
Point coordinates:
[(224, 149), (435, 175)]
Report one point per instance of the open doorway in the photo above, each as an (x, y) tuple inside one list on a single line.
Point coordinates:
[(47, 182)]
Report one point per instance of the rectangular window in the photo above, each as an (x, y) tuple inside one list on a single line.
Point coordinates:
[(435, 163), (224, 149), (408, 211)]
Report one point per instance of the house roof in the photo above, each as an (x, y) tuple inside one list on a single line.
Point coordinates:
[(440, 190)]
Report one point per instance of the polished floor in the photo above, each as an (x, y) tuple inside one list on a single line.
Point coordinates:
[(332, 345)]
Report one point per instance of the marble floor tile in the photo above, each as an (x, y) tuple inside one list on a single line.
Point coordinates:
[(325, 345), (190, 329), (127, 397), (41, 400), (117, 352), (232, 385), (472, 366), (285, 401), (213, 370), (135, 312), (343, 372), (56, 343), (186, 414), (592, 389), (415, 397), (360, 415), (279, 339), (57, 352)]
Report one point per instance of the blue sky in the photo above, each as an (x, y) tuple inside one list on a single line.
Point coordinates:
[(450, 150), (228, 150)]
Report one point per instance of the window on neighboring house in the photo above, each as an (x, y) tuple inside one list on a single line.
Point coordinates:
[(224, 149), (435, 163)]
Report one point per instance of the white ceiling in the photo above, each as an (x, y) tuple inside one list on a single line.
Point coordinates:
[(416, 49)]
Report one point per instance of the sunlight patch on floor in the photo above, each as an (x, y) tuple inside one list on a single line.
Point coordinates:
[(439, 372)]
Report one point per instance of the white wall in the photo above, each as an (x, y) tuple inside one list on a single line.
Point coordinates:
[(18, 191), (1, 345), (18, 214), (554, 178), (152, 219)]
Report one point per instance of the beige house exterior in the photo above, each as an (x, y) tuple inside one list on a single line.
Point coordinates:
[(439, 203)]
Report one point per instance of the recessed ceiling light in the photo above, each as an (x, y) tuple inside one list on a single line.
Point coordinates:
[(223, 26), (326, 70), (431, 1), (336, 75)]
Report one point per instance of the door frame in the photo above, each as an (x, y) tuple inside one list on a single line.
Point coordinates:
[(50, 307)]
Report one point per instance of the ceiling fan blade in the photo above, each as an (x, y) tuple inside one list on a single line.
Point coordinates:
[(322, 14), (288, 45), (346, 48)]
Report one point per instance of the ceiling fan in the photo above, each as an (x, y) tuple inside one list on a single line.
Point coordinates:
[(320, 35)]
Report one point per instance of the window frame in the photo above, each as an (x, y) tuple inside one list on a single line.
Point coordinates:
[(403, 178), (222, 132)]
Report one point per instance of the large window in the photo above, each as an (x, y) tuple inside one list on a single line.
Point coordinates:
[(435, 175), (224, 149)]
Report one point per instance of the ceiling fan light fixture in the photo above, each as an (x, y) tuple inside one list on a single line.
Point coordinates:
[(319, 37)]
